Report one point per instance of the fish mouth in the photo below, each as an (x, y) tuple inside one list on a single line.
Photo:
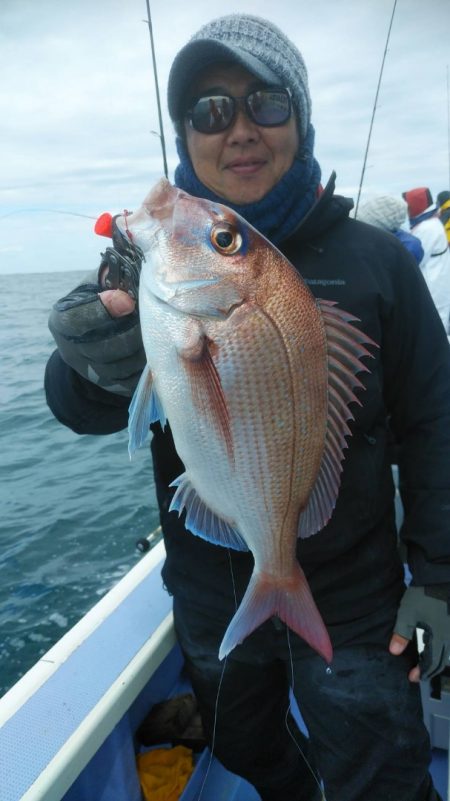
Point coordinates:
[(181, 298), (187, 286), (170, 291)]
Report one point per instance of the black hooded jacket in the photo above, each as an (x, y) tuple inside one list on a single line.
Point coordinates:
[(352, 565)]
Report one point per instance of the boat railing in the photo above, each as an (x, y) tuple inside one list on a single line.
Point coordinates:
[(58, 714)]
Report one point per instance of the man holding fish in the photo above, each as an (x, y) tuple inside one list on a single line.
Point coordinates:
[(267, 320)]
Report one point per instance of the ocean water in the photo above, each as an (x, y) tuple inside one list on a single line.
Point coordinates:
[(72, 507)]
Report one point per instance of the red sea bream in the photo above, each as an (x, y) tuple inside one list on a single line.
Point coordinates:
[(255, 376)]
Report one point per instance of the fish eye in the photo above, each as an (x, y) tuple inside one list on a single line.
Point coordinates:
[(226, 239)]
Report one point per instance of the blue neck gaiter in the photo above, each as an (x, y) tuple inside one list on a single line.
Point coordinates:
[(279, 212)]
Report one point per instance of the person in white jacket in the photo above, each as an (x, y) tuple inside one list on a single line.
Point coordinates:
[(435, 265)]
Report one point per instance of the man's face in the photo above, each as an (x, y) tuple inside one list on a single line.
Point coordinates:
[(244, 162)]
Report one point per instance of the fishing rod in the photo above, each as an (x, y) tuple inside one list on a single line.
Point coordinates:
[(374, 108), (448, 125), (158, 101)]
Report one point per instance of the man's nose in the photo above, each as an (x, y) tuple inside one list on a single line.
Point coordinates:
[(243, 126)]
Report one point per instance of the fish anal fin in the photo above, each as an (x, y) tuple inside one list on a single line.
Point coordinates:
[(201, 520), (206, 387), (145, 408), (291, 600), (346, 347)]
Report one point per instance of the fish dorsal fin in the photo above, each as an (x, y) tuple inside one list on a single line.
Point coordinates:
[(145, 408), (346, 347), (200, 519)]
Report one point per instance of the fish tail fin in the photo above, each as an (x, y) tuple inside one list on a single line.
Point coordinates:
[(291, 600)]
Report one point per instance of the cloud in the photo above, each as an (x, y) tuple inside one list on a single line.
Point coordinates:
[(78, 106)]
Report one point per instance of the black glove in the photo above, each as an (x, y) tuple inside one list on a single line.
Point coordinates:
[(427, 608), (107, 351)]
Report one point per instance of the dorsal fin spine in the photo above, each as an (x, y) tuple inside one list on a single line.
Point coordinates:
[(340, 403), (346, 345), (338, 368), (343, 388)]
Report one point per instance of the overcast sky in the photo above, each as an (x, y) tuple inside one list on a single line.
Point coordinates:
[(77, 106)]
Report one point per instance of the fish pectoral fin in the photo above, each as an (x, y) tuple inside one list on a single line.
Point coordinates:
[(145, 408), (200, 520), (346, 345), (291, 600), (206, 388)]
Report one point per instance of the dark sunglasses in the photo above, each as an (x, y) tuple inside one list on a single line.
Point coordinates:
[(267, 107)]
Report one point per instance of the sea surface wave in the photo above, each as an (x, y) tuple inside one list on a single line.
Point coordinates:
[(72, 507)]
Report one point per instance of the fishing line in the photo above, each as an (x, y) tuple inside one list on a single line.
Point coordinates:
[(213, 739), (232, 580), (288, 712), (47, 211)]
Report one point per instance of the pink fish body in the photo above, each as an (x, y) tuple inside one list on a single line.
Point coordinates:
[(255, 376)]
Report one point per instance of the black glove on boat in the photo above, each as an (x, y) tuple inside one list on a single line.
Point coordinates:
[(106, 350), (427, 608)]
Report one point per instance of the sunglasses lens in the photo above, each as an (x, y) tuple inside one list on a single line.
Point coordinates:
[(212, 114), (269, 107), (266, 107)]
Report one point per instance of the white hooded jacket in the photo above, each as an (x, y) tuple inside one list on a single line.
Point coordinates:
[(435, 264)]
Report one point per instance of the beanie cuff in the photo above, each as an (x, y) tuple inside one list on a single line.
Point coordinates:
[(201, 53)]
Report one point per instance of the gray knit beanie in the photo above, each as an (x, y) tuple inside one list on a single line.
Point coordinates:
[(257, 45), (384, 211)]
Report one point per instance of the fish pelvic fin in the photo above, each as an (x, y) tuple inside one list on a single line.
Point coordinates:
[(291, 600), (201, 520), (346, 347), (145, 408)]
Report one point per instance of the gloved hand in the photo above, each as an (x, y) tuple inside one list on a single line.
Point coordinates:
[(116, 301), (427, 608), (98, 334)]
